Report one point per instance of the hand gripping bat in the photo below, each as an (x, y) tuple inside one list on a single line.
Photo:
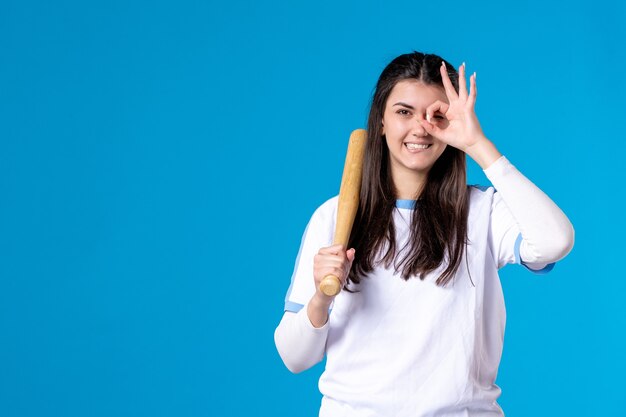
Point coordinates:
[(348, 201)]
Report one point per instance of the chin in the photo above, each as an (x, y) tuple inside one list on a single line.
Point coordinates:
[(419, 168)]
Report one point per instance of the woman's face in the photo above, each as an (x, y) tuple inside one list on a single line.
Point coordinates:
[(411, 149)]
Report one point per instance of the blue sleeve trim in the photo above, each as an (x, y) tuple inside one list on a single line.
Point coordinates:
[(518, 260), (293, 307), (518, 242), (482, 188), (295, 268), (541, 271)]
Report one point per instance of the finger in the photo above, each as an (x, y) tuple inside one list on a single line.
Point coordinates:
[(462, 83), (437, 106), (431, 129), (338, 272), (447, 84), (350, 255), (471, 99), (329, 260), (331, 250)]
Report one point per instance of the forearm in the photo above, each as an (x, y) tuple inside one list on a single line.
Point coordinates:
[(299, 343), (547, 234), (317, 309), (483, 151)]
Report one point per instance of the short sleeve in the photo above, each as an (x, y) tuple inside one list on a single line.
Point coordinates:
[(505, 238), (317, 234)]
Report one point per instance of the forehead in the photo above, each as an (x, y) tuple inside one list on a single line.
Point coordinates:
[(416, 94)]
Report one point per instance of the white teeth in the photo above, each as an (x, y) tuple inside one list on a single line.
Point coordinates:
[(416, 146)]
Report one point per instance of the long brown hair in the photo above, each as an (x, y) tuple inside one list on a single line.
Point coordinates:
[(439, 221)]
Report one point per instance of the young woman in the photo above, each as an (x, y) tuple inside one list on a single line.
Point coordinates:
[(418, 329)]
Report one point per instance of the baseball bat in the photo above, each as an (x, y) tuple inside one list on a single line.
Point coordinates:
[(348, 201)]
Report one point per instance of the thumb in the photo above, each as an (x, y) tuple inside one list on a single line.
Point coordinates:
[(350, 254)]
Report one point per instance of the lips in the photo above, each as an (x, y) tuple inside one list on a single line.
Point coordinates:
[(417, 146)]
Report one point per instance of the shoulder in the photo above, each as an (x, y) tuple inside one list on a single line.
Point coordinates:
[(481, 192), (329, 205), (326, 213), (481, 198)]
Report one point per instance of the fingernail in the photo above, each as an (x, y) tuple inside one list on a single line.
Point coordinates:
[(474, 75), (463, 65), (443, 63)]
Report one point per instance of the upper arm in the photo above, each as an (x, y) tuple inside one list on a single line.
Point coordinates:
[(317, 234), (505, 238)]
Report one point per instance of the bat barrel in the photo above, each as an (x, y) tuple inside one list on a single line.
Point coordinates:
[(348, 201)]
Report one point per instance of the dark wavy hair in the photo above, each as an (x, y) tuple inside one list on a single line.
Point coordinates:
[(439, 222)]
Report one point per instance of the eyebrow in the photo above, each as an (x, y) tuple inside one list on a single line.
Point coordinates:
[(408, 106)]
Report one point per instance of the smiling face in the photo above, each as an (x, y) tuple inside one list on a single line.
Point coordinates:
[(412, 151)]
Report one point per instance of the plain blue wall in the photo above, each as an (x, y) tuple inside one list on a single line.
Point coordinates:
[(160, 160)]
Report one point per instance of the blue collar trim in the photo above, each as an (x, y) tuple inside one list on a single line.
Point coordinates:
[(405, 204)]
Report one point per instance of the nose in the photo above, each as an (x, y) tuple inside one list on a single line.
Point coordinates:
[(418, 130)]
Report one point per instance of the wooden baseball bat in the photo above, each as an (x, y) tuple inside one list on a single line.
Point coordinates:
[(348, 201)]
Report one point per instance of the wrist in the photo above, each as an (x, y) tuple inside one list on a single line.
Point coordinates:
[(484, 152), (317, 311), (320, 301)]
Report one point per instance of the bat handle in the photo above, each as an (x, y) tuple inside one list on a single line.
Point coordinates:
[(330, 285)]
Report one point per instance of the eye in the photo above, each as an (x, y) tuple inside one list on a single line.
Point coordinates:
[(403, 112)]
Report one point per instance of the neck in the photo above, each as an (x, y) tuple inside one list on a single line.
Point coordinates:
[(408, 185)]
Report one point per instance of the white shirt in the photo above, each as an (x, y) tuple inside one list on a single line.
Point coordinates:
[(412, 348)]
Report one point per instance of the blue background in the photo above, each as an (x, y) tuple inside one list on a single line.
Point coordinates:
[(160, 160)]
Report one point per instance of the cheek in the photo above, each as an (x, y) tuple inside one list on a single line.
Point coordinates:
[(392, 128)]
